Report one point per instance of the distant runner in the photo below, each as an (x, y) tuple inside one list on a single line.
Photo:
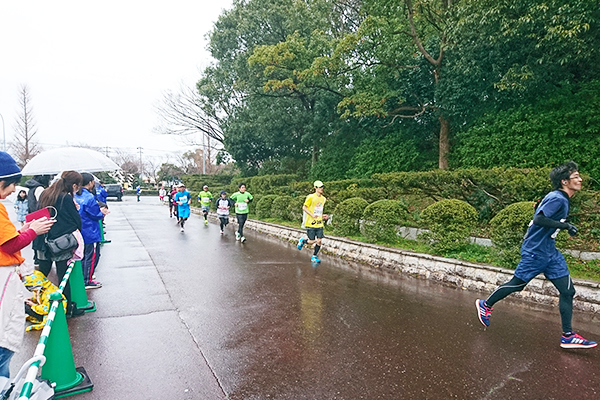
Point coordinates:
[(204, 198), (540, 255), (223, 204), (183, 198), (172, 205), (241, 199), (312, 220)]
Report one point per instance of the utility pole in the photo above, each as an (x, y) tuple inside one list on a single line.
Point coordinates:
[(141, 168)]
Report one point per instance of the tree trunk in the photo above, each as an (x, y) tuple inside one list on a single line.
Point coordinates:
[(444, 142)]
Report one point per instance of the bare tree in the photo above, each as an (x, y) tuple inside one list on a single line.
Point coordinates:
[(131, 167), (122, 157), (182, 114), (151, 166), (24, 145)]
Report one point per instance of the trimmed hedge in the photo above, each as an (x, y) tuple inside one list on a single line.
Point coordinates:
[(450, 222), (252, 205), (266, 184), (489, 190), (347, 216), (295, 208), (381, 219), (263, 206), (508, 228), (195, 182), (280, 208)]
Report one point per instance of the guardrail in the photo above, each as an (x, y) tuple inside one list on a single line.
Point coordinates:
[(41, 346), (65, 376)]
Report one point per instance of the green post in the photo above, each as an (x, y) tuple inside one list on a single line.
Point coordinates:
[(102, 241), (60, 366), (78, 293)]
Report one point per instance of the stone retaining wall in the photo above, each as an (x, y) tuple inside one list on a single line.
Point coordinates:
[(477, 277)]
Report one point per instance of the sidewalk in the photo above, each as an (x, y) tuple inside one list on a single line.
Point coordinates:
[(135, 346)]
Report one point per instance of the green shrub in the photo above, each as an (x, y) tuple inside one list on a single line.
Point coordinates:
[(507, 230), (301, 189), (347, 216), (488, 190), (252, 205), (194, 182), (557, 127), (263, 206), (330, 205), (381, 218), (371, 195), (295, 208), (266, 184), (347, 184), (280, 208), (450, 223)]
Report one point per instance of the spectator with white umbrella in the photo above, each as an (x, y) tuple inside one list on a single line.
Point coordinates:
[(91, 214)]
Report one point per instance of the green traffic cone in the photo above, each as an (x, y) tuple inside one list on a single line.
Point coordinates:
[(59, 367), (102, 241), (78, 293)]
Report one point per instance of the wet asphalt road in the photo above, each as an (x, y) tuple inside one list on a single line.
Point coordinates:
[(197, 315)]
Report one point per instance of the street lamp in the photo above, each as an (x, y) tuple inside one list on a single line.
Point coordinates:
[(3, 134)]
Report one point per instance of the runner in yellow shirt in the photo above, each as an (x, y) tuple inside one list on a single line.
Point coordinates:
[(312, 220)]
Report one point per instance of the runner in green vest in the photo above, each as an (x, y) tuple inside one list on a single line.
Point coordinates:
[(204, 198), (241, 199)]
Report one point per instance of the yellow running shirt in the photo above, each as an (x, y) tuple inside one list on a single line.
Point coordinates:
[(315, 204)]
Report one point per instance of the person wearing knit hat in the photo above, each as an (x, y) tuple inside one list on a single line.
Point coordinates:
[(9, 170), (223, 204), (12, 310)]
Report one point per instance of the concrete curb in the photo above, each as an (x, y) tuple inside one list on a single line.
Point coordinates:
[(461, 274)]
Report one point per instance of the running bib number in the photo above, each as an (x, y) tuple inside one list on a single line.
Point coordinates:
[(183, 200), (206, 199), (318, 211), (242, 206)]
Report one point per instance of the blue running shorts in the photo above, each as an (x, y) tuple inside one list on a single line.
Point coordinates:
[(531, 265)]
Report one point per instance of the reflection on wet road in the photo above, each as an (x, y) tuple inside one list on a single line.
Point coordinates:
[(272, 326)]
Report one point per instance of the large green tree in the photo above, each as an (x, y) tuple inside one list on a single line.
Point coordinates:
[(268, 109), (350, 87), (394, 63), (503, 53)]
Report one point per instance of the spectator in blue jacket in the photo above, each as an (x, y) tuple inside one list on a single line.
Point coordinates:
[(101, 193), (91, 214)]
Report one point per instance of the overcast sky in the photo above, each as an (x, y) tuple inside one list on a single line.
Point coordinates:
[(95, 70)]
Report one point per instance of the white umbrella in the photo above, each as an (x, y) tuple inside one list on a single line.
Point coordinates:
[(68, 158)]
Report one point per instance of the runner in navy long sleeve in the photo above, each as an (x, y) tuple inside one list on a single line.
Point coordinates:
[(540, 255)]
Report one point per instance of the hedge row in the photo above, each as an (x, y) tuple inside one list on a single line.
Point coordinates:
[(488, 192)]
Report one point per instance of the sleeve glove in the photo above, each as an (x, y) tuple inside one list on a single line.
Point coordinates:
[(572, 229)]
